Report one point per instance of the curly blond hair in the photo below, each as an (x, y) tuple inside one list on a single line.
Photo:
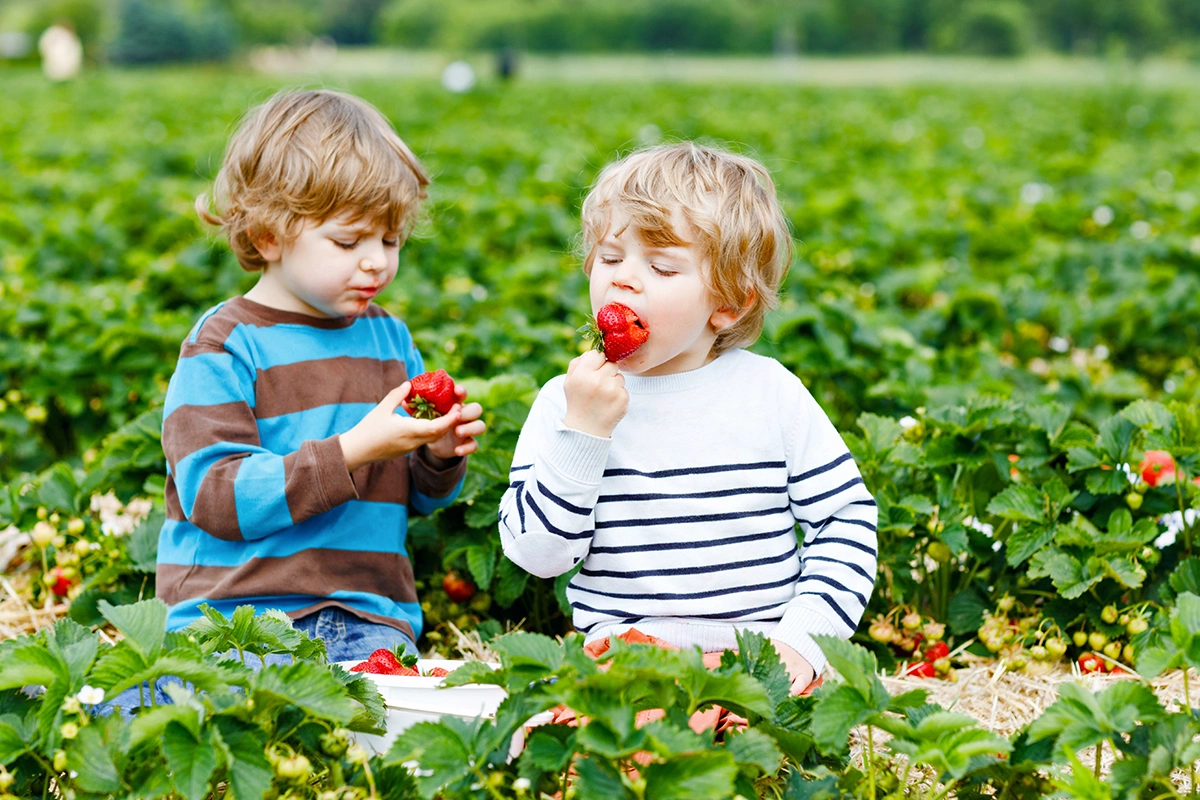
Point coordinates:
[(728, 199), (306, 156)]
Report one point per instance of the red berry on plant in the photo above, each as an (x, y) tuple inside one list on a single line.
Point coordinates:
[(1090, 662), (936, 651), (431, 395), (457, 588), (921, 669), (1158, 467)]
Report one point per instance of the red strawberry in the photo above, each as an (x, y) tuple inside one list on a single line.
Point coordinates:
[(388, 662), (937, 650), (459, 590), (431, 395), (437, 672), (921, 669), (617, 331), (1158, 467)]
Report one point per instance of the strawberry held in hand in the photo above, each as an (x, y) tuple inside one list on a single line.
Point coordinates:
[(431, 395), (617, 331)]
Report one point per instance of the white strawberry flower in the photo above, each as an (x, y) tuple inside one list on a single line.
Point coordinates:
[(907, 422), (90, 695)]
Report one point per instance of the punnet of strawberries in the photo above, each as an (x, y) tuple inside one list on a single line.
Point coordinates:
[(396, 662)]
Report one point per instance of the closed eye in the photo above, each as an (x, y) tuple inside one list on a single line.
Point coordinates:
[(666, 273), (346, 245)]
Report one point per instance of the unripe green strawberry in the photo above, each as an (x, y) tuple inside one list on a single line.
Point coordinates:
[(911, 621), (1056, 648), (1113, 650), (1137, 625), (1080, 638), (1109, 614), (1097, 639), (1038, 652), (1127, 653), (1006, 603), (1134, 500)]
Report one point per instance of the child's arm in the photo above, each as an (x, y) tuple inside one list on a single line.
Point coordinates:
[(547, 516), (838, 516), (229, 485)]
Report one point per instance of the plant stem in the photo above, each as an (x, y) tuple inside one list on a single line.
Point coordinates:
[(871, 762), (1187, 529), (1099, 752)]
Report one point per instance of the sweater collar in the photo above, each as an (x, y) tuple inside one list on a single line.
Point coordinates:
[(706, 375)]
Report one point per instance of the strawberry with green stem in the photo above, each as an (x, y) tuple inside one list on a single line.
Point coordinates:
[(430, 395), (617, 331), (388, 662)]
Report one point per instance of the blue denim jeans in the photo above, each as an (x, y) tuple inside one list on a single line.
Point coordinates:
[(346, 637)]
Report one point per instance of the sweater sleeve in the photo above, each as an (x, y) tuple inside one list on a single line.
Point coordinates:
[(547, 515), (838, 516), (228, 484)]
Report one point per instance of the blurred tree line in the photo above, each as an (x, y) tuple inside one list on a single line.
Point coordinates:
[(156, 30)]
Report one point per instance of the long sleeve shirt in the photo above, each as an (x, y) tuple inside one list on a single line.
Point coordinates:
[(261, 508), (724, 500)]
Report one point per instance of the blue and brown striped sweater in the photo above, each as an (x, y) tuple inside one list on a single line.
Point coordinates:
[(261, 509)]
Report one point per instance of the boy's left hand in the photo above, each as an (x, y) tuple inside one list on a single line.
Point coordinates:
[(460, 441), (797, 666)]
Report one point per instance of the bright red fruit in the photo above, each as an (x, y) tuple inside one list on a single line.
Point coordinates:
[(59, 583), (1090, 662), (431, 395), (437, 672), (387, 662), (937, 650), (921, 669), (617, 331), (1158, 467), (458, 589)]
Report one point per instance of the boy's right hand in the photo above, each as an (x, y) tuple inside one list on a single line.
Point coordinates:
[(596, 396), (384, 434)]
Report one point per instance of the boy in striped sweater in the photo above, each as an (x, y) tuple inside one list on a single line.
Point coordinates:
[(675, 479), (290, 472)]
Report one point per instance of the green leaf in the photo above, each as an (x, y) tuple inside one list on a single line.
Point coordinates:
[(440, 749), (89, 756), (510, 582), (1050, 417), (756, 748), (1125, 570), (520, 648), (482, 563), (881, 432), (966, 611), (1019, 502), (1025, 541), (599, 779), (1111, 481), (856, 664), (30, 665), (142, 543), (1186, 576), (14, 738), (142, 624), (698, 776), (305, 685), (1116, 434), (249, 773), (837, 711), (55, 489), (1071, 577), (191, 760), (1148, 414), (548, 752)]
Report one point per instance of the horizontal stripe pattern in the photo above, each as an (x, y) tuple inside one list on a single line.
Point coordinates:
[(743, 519), (260, 507)]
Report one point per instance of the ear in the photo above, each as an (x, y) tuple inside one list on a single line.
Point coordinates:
[(267, 244), (726, 316)]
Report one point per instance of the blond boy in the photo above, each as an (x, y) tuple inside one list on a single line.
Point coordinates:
[(291, 475), (678, 476)]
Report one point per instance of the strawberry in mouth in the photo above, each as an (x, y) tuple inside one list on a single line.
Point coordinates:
[(617, 331)]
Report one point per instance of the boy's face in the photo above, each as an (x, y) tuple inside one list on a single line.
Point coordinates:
[(331, 269), (667, 288)]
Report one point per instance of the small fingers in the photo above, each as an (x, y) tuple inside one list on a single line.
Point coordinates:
[(472, 428)]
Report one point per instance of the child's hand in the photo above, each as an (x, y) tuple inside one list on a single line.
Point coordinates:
[(797, 666), (596, 395), (384, 434), (460, 441)]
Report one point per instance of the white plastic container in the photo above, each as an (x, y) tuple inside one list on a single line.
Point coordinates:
[(410, 700)]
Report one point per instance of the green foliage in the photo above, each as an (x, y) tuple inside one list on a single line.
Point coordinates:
[(226, 723)]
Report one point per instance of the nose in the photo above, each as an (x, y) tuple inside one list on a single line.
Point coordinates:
[(373, 258), (625, 276)]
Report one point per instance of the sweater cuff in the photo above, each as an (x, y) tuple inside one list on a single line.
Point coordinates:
[(578, 455), (332, 475), (796, 630), (432, 481)]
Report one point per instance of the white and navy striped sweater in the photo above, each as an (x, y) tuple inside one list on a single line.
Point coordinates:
[(685, 519)]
